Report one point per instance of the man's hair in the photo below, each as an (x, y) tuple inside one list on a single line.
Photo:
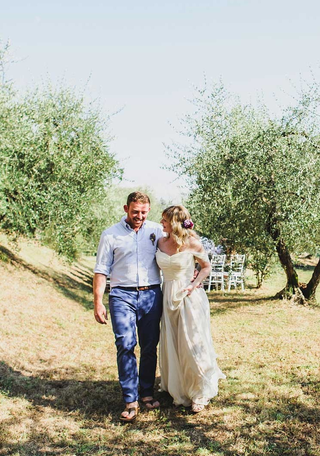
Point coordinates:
[(138, 197)]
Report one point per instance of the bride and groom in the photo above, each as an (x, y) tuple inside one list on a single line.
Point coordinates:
[(131, 253)]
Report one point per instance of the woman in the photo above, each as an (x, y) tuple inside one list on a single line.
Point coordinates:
[(189, 371)]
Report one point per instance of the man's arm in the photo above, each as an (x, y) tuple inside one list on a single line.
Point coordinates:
[(99, 286)]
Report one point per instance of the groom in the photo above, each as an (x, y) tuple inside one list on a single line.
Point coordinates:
[(127, 253)]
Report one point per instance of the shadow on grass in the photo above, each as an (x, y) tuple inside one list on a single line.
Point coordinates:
[(76, 286), (284, 427), (221, 303), (281, 426), (304, 267), (94, 399)]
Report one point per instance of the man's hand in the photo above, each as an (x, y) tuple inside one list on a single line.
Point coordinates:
[(99, 285), (195, 275), (100, 314)]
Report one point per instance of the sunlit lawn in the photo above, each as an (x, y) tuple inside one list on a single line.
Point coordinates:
[(59, 393)]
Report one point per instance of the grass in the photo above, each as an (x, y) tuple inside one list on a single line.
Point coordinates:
[(59, 393)]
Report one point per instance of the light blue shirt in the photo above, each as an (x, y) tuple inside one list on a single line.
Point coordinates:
[(129, 256)]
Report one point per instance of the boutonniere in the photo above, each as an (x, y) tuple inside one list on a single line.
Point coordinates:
[(152, 238)]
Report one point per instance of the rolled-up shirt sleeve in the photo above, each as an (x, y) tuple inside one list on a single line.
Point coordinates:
[(104, 256)]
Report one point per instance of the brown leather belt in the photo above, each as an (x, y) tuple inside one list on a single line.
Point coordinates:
[(147, 287)]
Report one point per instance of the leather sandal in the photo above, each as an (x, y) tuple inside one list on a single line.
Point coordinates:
[(150, 404), (133, 411)]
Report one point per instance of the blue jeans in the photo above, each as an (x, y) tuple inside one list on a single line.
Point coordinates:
[(131, 310)]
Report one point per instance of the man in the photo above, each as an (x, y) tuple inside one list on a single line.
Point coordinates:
[(127, 253)]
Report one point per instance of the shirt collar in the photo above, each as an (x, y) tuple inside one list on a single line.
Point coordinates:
[(127, 226)]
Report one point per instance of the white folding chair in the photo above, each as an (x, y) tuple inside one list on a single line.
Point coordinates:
[(236, 273), (216, 277)]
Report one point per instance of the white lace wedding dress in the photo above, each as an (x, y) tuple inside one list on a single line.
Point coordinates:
[(188, 366)]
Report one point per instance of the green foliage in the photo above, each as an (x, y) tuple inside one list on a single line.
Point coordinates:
[(55, 165), (254, 178), (260, 262)]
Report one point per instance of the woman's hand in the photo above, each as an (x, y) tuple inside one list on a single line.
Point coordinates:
[(189, 289)]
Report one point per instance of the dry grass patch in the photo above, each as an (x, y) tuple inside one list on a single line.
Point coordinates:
[(59, 393)]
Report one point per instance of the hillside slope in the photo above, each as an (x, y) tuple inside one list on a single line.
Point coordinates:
[(59, 393)]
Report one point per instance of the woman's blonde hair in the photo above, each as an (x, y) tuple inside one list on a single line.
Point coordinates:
[(181, 224)]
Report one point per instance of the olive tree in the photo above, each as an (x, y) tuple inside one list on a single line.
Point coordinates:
[(55, 165), (255, 178)]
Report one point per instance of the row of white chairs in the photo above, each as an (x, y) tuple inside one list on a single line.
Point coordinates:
[(220, 275)]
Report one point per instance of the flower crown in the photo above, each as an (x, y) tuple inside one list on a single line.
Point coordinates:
[(187, 224)]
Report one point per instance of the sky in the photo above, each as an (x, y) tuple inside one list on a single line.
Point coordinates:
[(142, 60)]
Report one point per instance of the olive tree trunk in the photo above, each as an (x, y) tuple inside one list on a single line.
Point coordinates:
[(292, 289), (298, 292), (309, 292)]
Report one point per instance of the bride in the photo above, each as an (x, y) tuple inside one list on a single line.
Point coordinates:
[(188, 366)]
